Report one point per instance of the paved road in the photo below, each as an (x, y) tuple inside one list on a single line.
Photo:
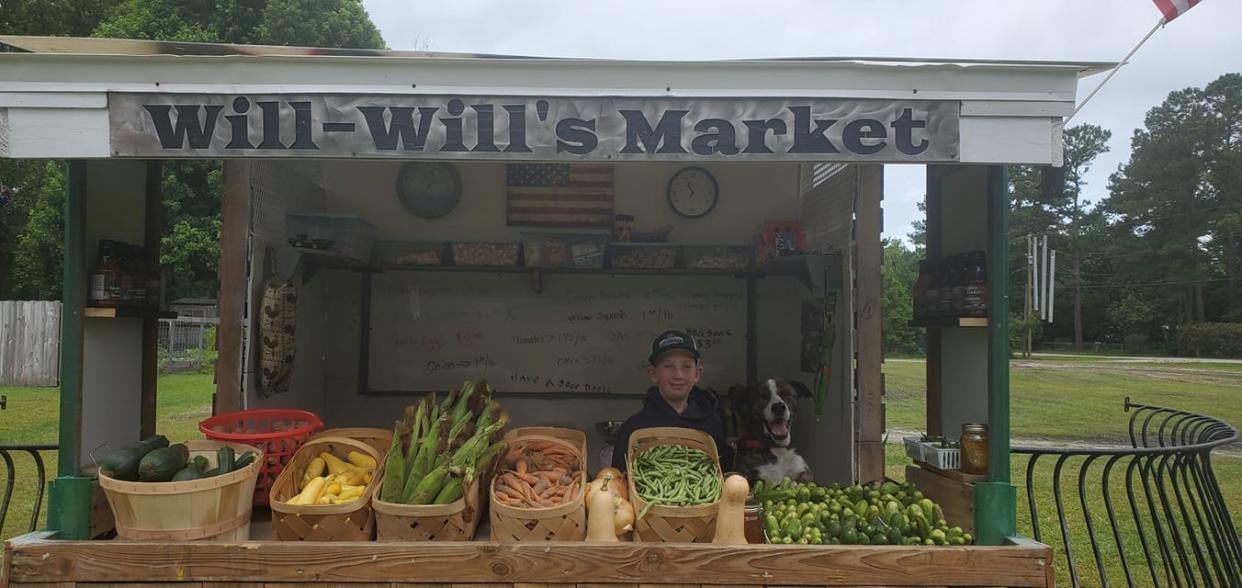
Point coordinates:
[(1136, 359), (1111, 359)]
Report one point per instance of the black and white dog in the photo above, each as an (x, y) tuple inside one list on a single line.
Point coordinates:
[(765, 413)]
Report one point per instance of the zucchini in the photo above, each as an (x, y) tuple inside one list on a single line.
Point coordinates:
[(244, 460), (224, 460), (123, 463), (188, 473), (162, 464)]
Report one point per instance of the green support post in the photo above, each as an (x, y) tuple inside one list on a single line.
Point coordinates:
[(69, 498), (996, 500)]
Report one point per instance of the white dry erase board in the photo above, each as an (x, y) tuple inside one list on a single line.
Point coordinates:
[(581, 333)]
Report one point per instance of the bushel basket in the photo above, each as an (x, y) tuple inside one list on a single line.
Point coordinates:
[(455, 521), (672, 524), (380, 439), (351, 521), (563, 522), (214, 509)]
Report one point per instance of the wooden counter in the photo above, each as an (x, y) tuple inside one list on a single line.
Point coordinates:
[(36, 559)]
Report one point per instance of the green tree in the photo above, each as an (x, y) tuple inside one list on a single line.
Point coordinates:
[(30, 259), (30, 227), (899, 272), (1178, 201), (37, 259), (190, 247), (1050, 201), (60, 18)]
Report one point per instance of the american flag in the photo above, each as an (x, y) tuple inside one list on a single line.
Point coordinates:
[(565, 194), (1174, 8)]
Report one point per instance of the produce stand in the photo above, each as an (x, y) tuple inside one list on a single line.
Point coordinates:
[(324, 139)]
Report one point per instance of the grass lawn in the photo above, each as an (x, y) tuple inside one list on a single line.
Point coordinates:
[(1078, 399), (32, 417)]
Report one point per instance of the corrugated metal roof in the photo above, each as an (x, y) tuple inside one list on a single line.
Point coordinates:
[(98, 46)]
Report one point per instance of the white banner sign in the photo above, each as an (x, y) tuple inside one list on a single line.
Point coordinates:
[(524, 128)]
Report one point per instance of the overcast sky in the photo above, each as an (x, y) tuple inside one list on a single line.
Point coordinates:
[(1191, 51)]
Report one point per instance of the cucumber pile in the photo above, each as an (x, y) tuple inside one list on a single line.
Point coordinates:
[(877, 514)]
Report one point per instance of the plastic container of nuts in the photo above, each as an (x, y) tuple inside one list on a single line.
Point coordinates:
[(487, 254), (722, 257), (642, 255), (410, 252)]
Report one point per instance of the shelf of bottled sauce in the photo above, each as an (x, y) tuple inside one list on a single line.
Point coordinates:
[(123, 283), (952, 291)]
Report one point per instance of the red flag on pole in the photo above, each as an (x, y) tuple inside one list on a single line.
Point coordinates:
[(1174, 8)]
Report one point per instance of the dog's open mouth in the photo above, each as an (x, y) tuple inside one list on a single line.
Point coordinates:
[(778, 430)]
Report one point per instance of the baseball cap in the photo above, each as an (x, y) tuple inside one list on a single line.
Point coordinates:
[(670, 340)]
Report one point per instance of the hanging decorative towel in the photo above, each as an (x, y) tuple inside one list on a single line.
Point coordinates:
[(276, 329)]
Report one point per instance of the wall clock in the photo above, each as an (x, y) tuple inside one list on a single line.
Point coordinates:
[(429, 189), (693, 192)]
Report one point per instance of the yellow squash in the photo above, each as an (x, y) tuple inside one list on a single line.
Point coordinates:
[(362, 460), (334, 463)]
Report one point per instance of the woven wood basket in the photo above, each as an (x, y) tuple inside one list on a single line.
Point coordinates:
[(456, 521), (672, 524), (352, 521), (564, 522), (380, 439), (213, 509)]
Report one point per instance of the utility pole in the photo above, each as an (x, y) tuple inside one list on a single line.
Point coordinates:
[(1030, 290)]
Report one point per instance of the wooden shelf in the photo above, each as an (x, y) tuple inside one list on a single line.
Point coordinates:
[(949, 322), (792, 267), (125, 312)]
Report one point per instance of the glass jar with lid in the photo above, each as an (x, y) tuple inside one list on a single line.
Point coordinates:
[(974, 448)]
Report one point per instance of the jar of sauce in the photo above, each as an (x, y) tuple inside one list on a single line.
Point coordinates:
[(974, 448), (753, 523)]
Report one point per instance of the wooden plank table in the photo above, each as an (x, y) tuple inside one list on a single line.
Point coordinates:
[(37, 558)]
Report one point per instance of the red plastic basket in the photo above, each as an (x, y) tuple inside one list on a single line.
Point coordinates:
[(279, 432)]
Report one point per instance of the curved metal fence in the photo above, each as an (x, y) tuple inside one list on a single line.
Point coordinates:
[(1152, 513), (7, 453)]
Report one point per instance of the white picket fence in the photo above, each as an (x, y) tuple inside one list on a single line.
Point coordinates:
[(29, 343)]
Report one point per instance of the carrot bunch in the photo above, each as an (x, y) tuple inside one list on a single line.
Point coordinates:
[(539, 474)]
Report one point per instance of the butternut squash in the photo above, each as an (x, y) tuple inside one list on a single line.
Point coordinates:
[(614, 484), (731, 515), (600, 519), (623, 515), (616, 473)]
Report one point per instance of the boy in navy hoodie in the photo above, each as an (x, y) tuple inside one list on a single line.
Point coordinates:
[(674, 399)]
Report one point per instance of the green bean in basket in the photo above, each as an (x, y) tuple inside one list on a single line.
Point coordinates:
[(676, 475)]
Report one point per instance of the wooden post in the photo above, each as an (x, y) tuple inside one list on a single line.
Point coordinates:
[(932, 235), (235, 222), (152, 232), (870, 289)]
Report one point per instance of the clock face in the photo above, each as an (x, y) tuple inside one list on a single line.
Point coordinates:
[(693, 192), (429, 189)]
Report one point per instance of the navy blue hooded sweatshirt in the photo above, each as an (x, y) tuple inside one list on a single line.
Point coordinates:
[(701, 414)]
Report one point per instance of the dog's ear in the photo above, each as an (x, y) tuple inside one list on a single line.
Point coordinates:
[(800, 389)]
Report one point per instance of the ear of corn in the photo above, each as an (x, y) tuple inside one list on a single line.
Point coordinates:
[(394, 470)]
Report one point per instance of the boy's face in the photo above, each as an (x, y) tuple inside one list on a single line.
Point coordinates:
[(675, 373)]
